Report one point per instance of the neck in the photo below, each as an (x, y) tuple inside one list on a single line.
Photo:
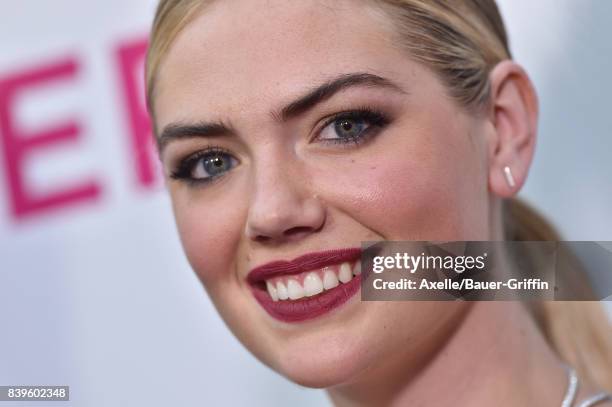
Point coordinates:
[(496, 356)]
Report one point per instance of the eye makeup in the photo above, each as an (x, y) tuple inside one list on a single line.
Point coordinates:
[(204, 166), (345, 129), (353, 126)]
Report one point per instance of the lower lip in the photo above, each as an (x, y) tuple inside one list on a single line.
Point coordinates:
[(308, 307)]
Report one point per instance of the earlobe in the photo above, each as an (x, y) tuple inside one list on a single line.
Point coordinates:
[(514, 115)]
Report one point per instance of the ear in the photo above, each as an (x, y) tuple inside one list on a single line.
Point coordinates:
[(514, 115)]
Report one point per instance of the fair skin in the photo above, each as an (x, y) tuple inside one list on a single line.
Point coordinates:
[(288, 192)]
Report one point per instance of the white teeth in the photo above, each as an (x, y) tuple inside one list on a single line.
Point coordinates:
[(281, 291), (272, 291), (330, 279), (345, 274), (295, 290), (312, 284)]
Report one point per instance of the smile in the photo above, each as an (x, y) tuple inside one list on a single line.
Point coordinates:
[(308, 286)]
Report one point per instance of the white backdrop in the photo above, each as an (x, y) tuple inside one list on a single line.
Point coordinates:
[(94, 290)]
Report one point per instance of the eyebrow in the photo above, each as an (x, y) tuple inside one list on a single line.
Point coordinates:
[(301, 105), (177, 131)]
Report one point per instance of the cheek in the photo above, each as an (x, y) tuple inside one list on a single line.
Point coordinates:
[(209, 230), (404, 190)]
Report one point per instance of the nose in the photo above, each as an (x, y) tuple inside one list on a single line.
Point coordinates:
[(283, 207)]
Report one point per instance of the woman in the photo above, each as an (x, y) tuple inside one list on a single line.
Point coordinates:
[(292, 131)]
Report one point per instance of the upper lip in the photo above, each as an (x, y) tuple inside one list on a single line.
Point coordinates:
[(306, 262)]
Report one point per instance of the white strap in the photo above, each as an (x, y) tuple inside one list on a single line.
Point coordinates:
[(572, 388), (596, 399)]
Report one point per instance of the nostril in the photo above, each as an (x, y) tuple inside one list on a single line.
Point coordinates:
[(297, 231), (262, 238), (292, 233)]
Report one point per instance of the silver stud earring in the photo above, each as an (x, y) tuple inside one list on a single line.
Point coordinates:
[(509, 177)]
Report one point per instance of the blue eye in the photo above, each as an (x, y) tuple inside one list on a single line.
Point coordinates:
[(352, 126), (212, 166), (349, 128), (205, 165)]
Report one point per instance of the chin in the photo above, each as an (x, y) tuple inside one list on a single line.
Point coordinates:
[(327, 368), (324, 358)]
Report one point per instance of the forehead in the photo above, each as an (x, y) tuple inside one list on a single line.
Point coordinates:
[(250, 55)]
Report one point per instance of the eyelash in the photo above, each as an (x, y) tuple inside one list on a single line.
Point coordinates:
[(186, 166), (375, 119)]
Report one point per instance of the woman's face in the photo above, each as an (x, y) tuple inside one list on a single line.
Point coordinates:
[(262, 167)]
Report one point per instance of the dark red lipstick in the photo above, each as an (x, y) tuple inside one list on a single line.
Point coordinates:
[(307, 307), (307, 262)]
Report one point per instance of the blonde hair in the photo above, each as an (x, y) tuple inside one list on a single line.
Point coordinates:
[(460, 41)]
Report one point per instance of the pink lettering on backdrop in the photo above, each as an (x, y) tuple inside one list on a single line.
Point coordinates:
[(24, 201), (131, 66)]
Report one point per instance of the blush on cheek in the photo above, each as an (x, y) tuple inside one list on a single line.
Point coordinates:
[(421, 196), (208, 238), (434, 193), (417, 203)]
